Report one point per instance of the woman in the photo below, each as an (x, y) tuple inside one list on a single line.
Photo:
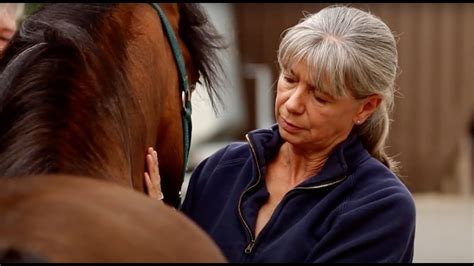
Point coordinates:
[(318, 185)]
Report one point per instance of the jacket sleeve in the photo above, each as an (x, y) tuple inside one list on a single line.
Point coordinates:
[(379, 227)]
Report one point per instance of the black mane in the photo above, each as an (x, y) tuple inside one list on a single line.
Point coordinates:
[(202, 40)]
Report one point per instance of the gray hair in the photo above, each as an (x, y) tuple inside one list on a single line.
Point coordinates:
[(13, 10), (348, 50)]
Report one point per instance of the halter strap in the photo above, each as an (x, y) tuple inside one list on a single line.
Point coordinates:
[(185, 93)]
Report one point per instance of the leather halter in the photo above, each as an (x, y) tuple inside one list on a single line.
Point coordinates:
[(184, 86)]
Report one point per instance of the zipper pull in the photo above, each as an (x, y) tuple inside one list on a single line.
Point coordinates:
[(249, 247)]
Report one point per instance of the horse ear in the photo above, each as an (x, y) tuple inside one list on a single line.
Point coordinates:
[(13, 69), (13, 255), (54, 37), (69, 37)]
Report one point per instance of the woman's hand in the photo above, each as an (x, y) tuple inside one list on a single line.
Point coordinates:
[(152, 177)]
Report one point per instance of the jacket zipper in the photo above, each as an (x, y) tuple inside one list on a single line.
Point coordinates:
[(248, 249)]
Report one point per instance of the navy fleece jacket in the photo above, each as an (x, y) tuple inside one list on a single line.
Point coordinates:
[(354, 210)]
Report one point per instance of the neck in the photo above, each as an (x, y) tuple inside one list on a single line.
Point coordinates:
[(301, 164)]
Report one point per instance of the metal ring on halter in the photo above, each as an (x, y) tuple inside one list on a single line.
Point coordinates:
[(185, 98)]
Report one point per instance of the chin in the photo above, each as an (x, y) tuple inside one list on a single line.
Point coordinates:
[(286, 136)]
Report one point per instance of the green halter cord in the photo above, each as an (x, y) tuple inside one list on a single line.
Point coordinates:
[(186, 96)]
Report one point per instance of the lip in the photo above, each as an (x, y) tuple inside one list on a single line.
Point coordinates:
[(289, 126)]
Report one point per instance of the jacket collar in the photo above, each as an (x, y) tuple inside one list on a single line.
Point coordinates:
[(341, 162)]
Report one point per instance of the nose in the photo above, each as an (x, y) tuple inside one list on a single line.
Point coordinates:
[(296, 101)]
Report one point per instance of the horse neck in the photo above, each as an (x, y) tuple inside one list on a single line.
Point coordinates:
[(131, 127), (144, 114), (151, 102), (148, 114), (153, 77)]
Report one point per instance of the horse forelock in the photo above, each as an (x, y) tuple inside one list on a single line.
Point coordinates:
[(74, 80)]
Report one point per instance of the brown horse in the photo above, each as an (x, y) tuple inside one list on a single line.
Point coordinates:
[(84, 90)]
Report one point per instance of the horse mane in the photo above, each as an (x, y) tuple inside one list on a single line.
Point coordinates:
[(56, 83), (202, 40)]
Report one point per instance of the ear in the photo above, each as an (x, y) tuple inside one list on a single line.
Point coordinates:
[(367, 107)]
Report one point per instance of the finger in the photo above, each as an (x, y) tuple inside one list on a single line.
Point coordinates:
[(148, 183), (154, 173), (150, 187), (155, 161), (150, 151), (155, 156), (153, 191), (152, 166)]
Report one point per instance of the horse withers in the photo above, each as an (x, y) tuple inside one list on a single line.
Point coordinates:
[(84, 90)]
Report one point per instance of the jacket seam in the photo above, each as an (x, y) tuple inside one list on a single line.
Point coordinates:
[(230, 162)]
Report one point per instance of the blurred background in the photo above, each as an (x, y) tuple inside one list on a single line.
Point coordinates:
[(433, 120)]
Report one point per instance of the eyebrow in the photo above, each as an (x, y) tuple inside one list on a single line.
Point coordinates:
[(312, 86), (287, 70), (326, 94)]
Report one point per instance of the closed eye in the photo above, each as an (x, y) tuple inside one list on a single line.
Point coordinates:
[(322, 97), (4, 39), (289, 79), (321, 100)]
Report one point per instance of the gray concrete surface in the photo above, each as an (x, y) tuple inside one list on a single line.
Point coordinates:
[(445, 228)]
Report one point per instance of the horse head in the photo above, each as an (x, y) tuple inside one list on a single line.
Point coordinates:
[(86, 88)]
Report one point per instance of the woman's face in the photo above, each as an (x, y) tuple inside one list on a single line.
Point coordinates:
[(7, 23), (309, 118)]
